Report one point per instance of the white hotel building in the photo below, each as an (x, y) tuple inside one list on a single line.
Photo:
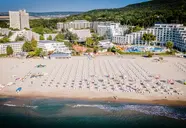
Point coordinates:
[(111, 30), (163, 32), (81, 24), (57, 47), (19, 19), (16, 46), (77, 24), (95, 24)]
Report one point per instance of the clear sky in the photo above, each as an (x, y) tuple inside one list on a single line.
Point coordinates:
[(62, 5)]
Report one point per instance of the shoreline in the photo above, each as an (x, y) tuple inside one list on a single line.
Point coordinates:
[(105, 99)]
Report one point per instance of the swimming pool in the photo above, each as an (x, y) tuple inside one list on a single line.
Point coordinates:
[(144, 48)]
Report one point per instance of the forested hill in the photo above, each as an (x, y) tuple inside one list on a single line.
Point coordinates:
[(143, 14)]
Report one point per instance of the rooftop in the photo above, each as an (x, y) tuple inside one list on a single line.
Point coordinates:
[(21, 42), (82, 34), (81, 21), (48, 41)]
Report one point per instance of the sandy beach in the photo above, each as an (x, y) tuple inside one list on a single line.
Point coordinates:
[(110, 78)]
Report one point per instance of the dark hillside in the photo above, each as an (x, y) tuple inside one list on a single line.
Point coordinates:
[(143, 14)]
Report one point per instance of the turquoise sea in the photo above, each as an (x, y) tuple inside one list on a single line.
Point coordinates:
[(66, 113)]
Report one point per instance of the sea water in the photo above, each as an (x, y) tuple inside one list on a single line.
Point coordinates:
[(60, 113)]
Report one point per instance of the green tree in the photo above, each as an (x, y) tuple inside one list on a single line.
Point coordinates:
[(70, 36), (26, 28), (148, 37), (20, 38), (41, 37), (109, 50), (9, 50), (95, 49), (33, 44), (134, 29), (113, 49), (31, 54), (41, 30), (60, 37), (170, 45), (4, 40), (38, 51), (63, 30), (68, 44), (27, 47), (4, 24), (89, 50), (89, 42), (96, 38), (49, 38), (75, 43)]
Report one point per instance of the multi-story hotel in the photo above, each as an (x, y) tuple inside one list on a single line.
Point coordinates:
[(16, 46), (81, 24), (54, 46), (77, 24), (163, 32), (27, 34), (95, 24), (113, 29), (19, 19), (45, 45)]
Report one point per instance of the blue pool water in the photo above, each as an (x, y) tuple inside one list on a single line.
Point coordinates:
[(142, 48), (63, 113)]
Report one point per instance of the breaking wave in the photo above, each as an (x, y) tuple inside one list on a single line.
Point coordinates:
[(146, 109), (26, 106), (10, 105)]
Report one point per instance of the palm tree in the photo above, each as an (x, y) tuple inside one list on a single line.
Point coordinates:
[(170, 45), (148, 37)]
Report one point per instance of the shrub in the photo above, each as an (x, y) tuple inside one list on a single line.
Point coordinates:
[(49, 38), (41, 37), (9, 50), (89, 50)]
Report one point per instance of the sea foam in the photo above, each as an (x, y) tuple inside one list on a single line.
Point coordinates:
[(26, 106), (146, 109)]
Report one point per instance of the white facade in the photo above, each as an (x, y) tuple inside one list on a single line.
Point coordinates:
[(24, 19), (14, 19), (27, 34), (19, 19), (82, 34), (57, 47), (77, 24), (4, 31), (16, 46), (163, 32), (81, 24), (111, 30), (104, 31), (94, 25), (47, 35), (105, 44)]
